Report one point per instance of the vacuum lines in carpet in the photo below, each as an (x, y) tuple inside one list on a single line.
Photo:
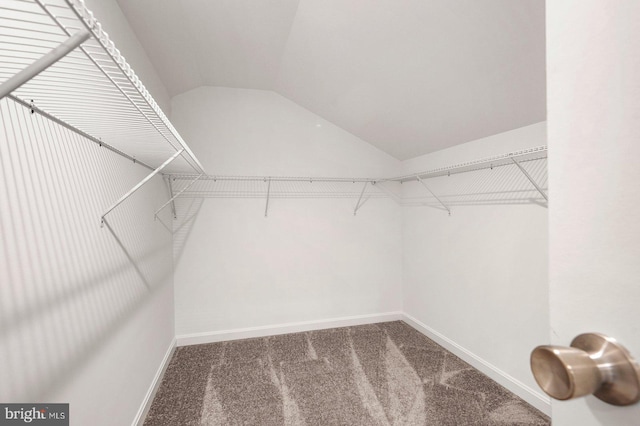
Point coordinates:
[(379, 374)]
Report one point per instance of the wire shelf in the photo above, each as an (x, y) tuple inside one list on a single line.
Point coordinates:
[(506, 184), (523, 156), (276, 187), (92, 88), (500, 185)]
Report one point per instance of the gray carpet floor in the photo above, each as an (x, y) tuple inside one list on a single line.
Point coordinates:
[(380, 374)]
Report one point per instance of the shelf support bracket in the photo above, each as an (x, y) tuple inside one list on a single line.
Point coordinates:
[(48, 59), (528, 176), (364, 187), (139, 185), (434, 195), (173, 197), (173, 205), (266, 207)]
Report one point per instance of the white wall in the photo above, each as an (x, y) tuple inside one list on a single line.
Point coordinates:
[(115, 23), (594, 129), (86, 313), (311, 259), (479, 276)]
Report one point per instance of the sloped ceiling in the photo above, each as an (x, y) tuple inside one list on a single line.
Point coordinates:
[(408, 76)]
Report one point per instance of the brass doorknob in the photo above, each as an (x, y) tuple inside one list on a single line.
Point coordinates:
[(594, 364)]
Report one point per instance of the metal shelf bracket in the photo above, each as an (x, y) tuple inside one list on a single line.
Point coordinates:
[(173, 197), (266, 207), (434, 195), (358, 205), (173, 204), (528, 176), (139, 185)]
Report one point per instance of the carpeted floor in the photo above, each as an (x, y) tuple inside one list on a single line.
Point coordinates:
[(380, 374)]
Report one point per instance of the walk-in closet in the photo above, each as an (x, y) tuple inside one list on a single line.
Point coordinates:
[(297, 212)]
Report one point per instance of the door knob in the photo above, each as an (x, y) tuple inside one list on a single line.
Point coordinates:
[(594, 364)]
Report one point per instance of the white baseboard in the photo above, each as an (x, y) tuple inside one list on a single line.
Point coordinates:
[(533, 397), (293, 327), (151, 393)]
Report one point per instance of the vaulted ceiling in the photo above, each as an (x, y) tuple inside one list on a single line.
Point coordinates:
[(408, 76)]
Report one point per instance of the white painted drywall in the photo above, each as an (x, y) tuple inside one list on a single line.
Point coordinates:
[(479, 276), (115, 23), (86, 313), (594, 129), (311, 259)]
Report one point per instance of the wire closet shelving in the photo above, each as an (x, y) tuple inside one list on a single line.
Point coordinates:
[(268, 187), (90, 87), (56, 60)]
